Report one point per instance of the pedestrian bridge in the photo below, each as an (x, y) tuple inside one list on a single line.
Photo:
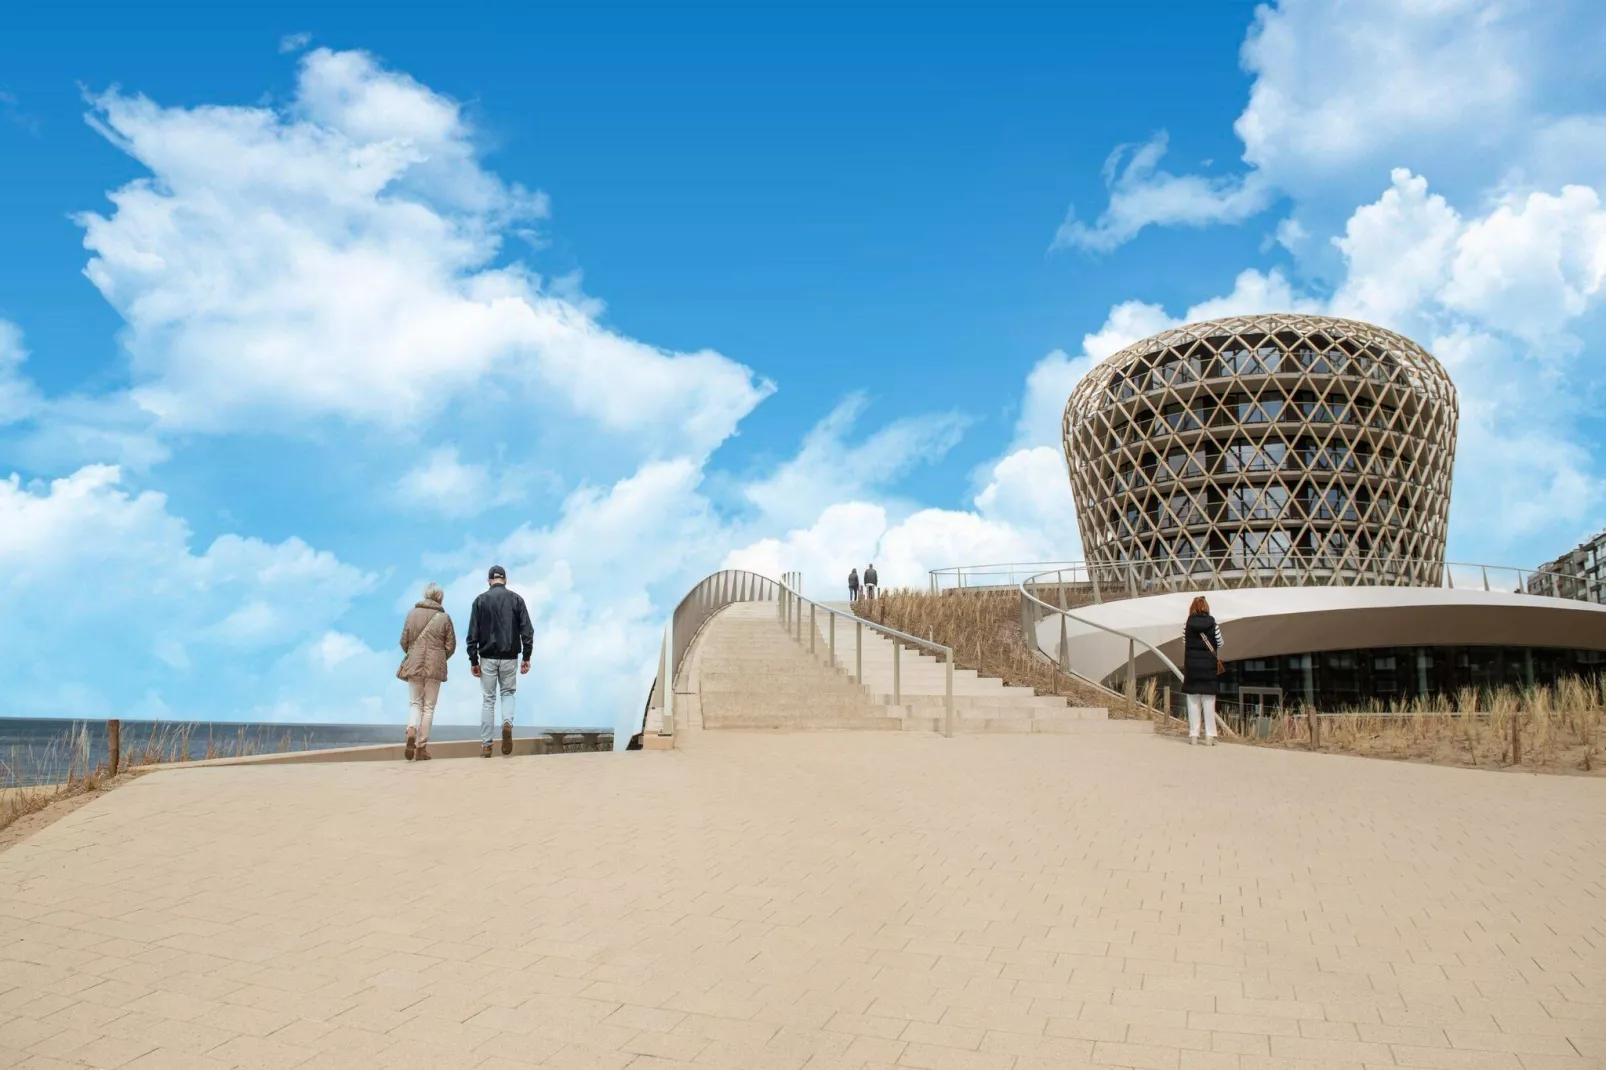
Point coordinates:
[(748, 652)]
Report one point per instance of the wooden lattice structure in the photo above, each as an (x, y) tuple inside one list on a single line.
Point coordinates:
[(1256, 450)]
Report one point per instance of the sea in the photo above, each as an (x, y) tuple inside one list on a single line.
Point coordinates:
[(42, 750)]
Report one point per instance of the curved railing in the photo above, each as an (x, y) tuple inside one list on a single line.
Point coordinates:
[(795, 607), (708, 597), (1110, 582), (1030, 627), (1031, 616)]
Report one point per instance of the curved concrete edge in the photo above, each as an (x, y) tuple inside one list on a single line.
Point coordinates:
[(688, 693), (1272, 621), (379, 752)]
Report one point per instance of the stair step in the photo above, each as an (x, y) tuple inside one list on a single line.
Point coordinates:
[(756, 676)]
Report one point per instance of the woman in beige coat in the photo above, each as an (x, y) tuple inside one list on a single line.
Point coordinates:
[(429, 641)]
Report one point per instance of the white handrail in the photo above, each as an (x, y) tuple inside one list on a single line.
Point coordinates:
[(1131, 640), (1129, 637), (791, 614), (1132, 576), (707, 597)]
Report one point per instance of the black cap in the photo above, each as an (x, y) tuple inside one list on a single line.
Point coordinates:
[(498, 573)]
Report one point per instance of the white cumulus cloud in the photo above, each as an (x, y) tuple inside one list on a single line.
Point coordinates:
[(91, 566), (1142, 195), (445, 485), (1342, 92), (338, 257), (828, 468)]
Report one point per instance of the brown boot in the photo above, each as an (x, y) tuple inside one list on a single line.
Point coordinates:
[(485, 751), (423, 752), (507, 737), (411, 749)]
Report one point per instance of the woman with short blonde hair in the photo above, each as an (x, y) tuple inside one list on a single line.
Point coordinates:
[(428, 642), (1201, 665)]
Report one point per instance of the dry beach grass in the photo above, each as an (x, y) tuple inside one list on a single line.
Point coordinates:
[(1537, 730), (983, 628), (1542, 729), (34, 777)]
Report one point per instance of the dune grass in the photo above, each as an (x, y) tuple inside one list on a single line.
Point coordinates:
[(983, 628), (1542, 729), (32, 777)]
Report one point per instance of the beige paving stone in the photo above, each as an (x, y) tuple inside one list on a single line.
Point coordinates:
[(1144, 1056), (258, 1053), (782, 901)]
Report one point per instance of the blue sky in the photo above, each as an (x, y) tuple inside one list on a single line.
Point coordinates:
[(303, 306)]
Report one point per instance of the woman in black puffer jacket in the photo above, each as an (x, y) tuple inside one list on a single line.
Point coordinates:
[(1201, 650)]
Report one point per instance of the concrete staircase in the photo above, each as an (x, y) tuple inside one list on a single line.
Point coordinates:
[(981, 704), (752, 674)]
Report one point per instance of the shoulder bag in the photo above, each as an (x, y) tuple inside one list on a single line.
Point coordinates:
[(439, 613)]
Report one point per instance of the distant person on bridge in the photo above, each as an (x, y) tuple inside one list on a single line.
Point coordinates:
[(1201, 665), (428, 642), (498, 630), (853, 585), (869, 581)]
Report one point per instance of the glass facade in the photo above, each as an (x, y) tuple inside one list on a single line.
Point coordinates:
[(1340, 679)]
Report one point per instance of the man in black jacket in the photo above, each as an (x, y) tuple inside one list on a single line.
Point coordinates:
[(499, 630)]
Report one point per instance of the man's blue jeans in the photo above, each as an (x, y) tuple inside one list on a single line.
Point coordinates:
[(497, 674)]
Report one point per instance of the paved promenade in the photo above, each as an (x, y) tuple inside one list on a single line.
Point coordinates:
[(817, 900)]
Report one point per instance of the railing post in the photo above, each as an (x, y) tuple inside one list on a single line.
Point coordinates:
[(897, 685), (831, 624), (948, 696), (1485, 577), (114, 744), (858, 652), (1093, 574), (813, 631), (1131, 676), (666, 686)]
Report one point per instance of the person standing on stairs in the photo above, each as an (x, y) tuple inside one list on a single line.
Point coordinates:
[(869, 581), (853, 585), (428, 642), (498, 629), (1201, 665)]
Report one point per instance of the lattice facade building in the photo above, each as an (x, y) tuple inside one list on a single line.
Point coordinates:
[(1264, 450)]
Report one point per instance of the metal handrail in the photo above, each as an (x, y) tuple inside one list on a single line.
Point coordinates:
[(707, 597), (1064, 613), (792, 603), (1132, 641), (1132, 576)]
